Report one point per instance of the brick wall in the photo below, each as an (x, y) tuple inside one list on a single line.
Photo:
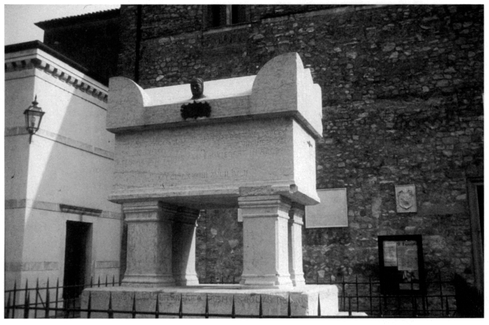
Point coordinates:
[(402, 89)]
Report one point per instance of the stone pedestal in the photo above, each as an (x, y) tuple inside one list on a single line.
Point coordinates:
[(253, 149), (149, 243), (265, 240)]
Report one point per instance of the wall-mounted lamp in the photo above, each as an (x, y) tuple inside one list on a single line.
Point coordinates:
[(33, 117)]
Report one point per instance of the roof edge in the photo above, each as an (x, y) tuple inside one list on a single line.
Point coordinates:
[(40, 45), (89, 17)]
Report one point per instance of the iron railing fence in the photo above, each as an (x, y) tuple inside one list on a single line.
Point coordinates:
[(55, 301), (355, 297), (365, 295)]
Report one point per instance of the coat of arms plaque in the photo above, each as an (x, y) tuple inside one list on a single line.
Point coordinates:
[(406, 198)]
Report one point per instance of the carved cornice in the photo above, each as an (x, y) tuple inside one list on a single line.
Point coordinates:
[(27, 63)]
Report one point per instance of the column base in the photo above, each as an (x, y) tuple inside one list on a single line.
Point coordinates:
[(298, 280), (146, 280), (186, 280), (266, 281)]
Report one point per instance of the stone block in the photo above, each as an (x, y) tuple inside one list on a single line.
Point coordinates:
[(304, 301)]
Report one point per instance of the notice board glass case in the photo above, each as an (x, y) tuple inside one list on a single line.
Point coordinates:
[(401, 264)]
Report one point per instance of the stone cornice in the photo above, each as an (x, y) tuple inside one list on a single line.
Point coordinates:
[(37, 58), (60, 207)]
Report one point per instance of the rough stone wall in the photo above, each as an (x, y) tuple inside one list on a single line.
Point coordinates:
[(402, 90), (219, 247)]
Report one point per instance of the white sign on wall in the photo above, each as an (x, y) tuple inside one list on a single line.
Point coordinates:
[(331, 212)]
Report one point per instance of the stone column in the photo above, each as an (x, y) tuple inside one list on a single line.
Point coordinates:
[(184, 231), (265, 240), (296, 216), (149, 243)]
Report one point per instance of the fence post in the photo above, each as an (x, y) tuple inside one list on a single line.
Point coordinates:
[(134, 306), (180, 309), (206, 306), (289, 308), (370, 294), (14, 302), (7, 308), (46, 313), (89, 306), (343, 286), (35, 299), (26, 300), (157, 308), (57, 296), (447, 307), (260, 311), (106, 280), (441, 291), (98, 282), (110, 312), (380, 301), (356, 291), (233, 311), (319, 305), (349, 306)]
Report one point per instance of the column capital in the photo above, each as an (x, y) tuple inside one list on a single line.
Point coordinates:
[(148, 211), (187, 215), (296, 213), (264, 206)]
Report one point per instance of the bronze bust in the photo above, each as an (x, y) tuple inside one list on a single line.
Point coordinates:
[(197, 88)]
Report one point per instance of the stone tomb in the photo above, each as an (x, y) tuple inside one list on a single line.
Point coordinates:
[(248, 143)]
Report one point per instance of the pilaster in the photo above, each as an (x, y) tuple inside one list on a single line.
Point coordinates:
[(149, 243), (183, 250), (296, 215), (265, 240)]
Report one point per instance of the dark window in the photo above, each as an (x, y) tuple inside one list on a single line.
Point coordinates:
[(223, 15), (238, 14), (216, 15)]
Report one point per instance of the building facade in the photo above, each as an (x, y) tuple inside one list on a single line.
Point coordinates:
[(402, 104), (59, 225)]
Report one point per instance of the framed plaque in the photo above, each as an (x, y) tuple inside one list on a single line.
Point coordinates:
[(401, 264), (331, 212)]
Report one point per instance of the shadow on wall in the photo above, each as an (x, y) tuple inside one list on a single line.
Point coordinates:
[(470, 302)]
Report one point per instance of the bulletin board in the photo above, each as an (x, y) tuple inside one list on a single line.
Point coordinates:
[(401, 264)]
